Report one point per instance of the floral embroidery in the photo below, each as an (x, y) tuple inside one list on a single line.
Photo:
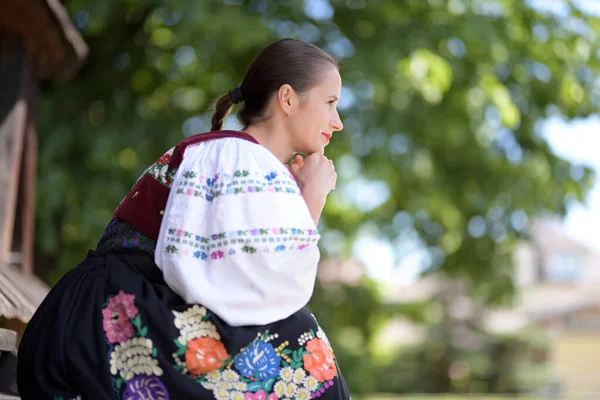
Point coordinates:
[(261, 370), (160, 169), (133, 358), (192, 324), (205, 355), (117, 317), (249, 241), (258, 361), (145, 387), (240, 182), (199, 343), (320, 362)]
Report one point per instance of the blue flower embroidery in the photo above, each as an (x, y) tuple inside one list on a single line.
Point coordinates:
[(258, 361), (280, 248), (271, 176)]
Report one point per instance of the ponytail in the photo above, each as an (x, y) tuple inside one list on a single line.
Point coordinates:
[(221, 109)]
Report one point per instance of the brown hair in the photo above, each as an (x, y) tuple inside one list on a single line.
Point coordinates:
[(288, 61)]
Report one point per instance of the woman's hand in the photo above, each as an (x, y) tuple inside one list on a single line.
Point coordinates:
[(316, 177)]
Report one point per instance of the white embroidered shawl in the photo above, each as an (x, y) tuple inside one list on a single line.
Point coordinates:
[(237, 236)]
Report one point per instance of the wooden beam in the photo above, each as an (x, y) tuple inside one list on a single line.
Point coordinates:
[(57, 47), (14, 77)]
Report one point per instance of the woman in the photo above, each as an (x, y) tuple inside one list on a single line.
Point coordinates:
[(198, 285)]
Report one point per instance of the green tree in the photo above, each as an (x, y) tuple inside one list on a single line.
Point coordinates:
[(442, 108)]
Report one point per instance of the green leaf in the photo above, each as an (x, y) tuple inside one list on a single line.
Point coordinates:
[(119, 383), (137, 321), (255, 386), (181, 349), (269, 384)]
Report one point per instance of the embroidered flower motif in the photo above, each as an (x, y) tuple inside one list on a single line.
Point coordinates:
[(221, 394), (260, 395), (279, 388), (298, 376), (290, 391), (205, 355), (303, 394), (258, 361), (320, 363), (145, 387), (116, 317), (286, 374), (134, 357), (237, 396), (310, 383), (165, 159), (191, 325), (230, 376)]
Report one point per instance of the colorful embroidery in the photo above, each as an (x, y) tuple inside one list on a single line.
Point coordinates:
[(133, 358), (160, 169), (228, 244), (135, 241), (240, 182), (261, 370), (198, 342)]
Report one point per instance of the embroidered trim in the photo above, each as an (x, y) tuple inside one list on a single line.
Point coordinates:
[(240, 182), (250, 241), (160, 169)]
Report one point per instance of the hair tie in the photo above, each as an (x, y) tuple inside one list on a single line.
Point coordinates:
[(236, 95)]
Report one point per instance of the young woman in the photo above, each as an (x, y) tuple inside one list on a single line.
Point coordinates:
[(198, 286)]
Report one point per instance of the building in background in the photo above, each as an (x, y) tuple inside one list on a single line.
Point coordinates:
[(558, 290)]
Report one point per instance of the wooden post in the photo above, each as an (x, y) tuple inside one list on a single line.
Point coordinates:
[(18, 153), (14, 73)]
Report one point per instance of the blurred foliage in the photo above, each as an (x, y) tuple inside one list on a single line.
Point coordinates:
[(442, 105), (459, 356)]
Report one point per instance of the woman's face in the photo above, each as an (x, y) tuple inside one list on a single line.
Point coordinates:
[(315, 120)]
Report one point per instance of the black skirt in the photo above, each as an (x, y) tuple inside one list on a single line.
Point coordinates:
[(112, 329)]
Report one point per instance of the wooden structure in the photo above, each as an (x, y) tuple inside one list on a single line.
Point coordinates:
[(37, 42)]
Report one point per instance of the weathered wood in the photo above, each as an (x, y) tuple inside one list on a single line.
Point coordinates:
[(8, 340), (24, 225), (14, 77), (52, 40)]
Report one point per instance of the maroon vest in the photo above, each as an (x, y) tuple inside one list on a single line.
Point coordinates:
[(145, 204)]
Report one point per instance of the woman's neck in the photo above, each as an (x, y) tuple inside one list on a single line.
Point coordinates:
[(272, 136)]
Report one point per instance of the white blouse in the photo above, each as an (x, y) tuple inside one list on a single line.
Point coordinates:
[(237, 236)]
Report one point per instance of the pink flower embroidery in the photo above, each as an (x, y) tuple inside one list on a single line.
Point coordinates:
[(179, 232), (303, 246), (270, 189), (190, 191), (116, 317), (260, 395), (217, 255), (276, 231)]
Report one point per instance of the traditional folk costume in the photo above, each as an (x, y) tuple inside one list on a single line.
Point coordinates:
[(196, 290)]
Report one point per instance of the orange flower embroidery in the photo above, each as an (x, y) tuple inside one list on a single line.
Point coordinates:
[(205, 355), (320, 363)]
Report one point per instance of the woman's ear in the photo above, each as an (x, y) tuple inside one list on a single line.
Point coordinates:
[(287, 98)]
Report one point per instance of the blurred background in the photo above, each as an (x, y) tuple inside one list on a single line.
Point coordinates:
[(460, 250)]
